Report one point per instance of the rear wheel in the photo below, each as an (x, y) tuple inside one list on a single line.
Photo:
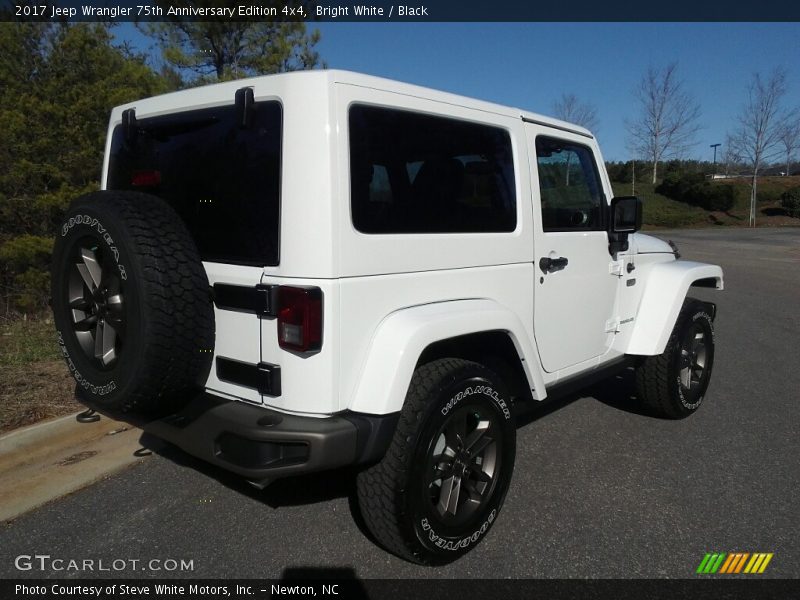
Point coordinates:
[(131, 302), (442, 482), (673, 384)]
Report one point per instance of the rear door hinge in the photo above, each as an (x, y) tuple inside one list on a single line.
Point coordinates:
[(261, 299)]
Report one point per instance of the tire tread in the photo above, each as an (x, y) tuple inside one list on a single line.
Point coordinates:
[(380, 487), (175, 296), (653, 375)]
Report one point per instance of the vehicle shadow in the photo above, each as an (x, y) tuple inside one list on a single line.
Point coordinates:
[(774, 211), (292, 491), (617, 392)]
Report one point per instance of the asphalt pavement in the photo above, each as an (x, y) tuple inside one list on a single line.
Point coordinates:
[(599, 489)]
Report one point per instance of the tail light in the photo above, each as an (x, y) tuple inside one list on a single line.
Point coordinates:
[(299, 318), (146, 178)]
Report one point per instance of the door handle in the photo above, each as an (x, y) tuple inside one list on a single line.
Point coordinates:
[(548, 265)]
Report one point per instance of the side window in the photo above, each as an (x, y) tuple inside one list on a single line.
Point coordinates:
[(416, 173), (572, 197)]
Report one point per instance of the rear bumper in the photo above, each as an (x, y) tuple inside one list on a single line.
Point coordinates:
[(262, 444)]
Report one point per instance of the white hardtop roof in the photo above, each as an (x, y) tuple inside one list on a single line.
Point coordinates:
[(391, 85), (367, 81)]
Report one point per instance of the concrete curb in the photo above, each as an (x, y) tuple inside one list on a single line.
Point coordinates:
[(48, 460)]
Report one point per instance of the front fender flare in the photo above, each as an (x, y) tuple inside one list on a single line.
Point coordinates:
[(403, 335), (664, 293)]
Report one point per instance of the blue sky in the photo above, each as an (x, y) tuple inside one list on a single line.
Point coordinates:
[(530, 65)]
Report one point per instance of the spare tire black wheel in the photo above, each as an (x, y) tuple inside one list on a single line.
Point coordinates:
[(131, 302)]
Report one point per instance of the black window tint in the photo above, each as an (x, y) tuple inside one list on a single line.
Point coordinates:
[(222, 179), (415, 173), (572, 197)]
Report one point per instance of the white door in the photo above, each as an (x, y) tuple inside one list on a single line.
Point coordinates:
[(575, 293)]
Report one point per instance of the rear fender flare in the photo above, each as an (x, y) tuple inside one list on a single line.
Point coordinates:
[(403, 335)]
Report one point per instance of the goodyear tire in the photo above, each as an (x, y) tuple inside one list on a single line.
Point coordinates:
[(673, 384), (130, 302), (442, 483)]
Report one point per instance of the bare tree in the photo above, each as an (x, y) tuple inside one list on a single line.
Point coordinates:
[(667, 123), (761, 122), (570, 108), (789, 139), (731, 155)]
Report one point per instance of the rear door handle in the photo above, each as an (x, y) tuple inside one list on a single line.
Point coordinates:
[(548, 265)]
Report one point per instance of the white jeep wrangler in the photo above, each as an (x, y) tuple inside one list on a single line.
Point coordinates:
[(311, 270)]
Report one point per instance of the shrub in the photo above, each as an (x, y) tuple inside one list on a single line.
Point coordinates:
[(716, 197), (694, 189), (790, 202), (31, 290), (618, 172), (24, 272), (622, 172), (25, 251), (677, 186), (768, 195)]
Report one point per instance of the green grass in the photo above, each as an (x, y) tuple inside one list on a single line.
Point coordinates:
[(35, 383), (660, 211), (663, 212), (769, 190), (28, 341)]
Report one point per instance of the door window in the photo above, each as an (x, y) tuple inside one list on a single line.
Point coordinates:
[(571, 194)]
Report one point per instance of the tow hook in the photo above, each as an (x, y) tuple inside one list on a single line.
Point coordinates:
[(88, 416)]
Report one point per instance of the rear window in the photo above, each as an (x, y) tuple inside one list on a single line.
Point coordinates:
[(416, 173), (222, 179)]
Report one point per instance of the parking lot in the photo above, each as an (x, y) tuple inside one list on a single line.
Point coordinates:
[(599, 489)]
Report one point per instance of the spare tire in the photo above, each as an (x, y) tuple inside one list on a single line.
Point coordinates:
[(131, 303)]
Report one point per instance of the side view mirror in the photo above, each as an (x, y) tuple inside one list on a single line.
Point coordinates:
[(626, 215)]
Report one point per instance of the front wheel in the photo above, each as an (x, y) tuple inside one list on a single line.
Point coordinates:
[(674, 383), (443, 480)]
